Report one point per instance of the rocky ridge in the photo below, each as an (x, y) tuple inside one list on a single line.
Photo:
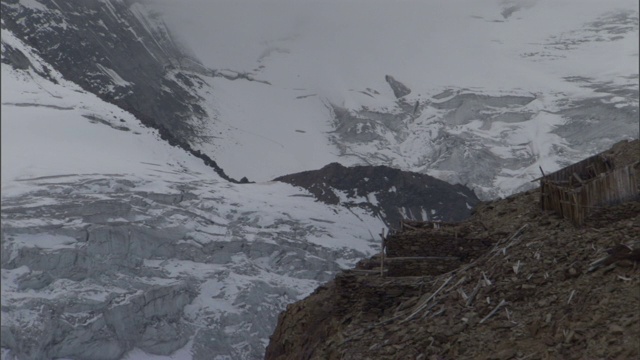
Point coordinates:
[(123, 52), (389, 193), (541, 289)]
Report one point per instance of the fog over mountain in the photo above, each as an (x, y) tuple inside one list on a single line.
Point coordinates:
[(564, 58), (141, 140)]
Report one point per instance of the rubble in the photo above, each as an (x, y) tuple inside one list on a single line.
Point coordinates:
[(533, 293)]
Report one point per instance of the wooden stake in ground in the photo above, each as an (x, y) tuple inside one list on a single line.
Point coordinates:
[(382, 254)]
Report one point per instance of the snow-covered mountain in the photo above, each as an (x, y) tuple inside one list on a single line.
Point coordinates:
[(493, 89), (124, 233)]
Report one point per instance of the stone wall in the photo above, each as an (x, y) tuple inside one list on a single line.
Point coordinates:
[(420, 266), (435, 242), (375, 294)]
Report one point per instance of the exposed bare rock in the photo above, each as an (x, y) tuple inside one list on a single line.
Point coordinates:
[(390, 193), (399, 89), (531, 294)]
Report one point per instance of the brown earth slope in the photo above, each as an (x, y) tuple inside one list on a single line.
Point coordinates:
[(518, 284)]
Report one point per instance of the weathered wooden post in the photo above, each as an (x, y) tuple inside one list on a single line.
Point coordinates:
[(382, 253)]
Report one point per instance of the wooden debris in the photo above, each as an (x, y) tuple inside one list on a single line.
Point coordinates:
[(462, 294), (486, 280), (405, 225), (474, 293), (462, 279), (577, 177), (516, 267), (425, 303), (501, 304), (510, 241)]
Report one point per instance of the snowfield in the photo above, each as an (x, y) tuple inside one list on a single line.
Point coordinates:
[(57, 129)]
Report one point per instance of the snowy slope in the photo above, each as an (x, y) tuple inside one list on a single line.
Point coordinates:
[(575, 61), (263, 131), (116, 244), (54, 129)]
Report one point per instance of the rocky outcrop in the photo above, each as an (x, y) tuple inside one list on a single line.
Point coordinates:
[(111, 48), (14, 57), (399, 89), (391, 194), (541, 289)]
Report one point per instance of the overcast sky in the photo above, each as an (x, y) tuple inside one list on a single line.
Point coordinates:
[(352, 39)]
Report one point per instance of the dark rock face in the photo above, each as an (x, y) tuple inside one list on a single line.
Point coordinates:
[(390, 193), (14, 57), (121, 52), (101, 36), (399, 89)]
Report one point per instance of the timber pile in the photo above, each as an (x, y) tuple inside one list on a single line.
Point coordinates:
[(543, 289)]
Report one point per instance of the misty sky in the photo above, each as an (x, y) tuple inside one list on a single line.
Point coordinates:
[(347, 41)]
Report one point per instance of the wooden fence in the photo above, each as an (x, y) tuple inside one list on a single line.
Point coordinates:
[(576, 174), (574, 191)]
